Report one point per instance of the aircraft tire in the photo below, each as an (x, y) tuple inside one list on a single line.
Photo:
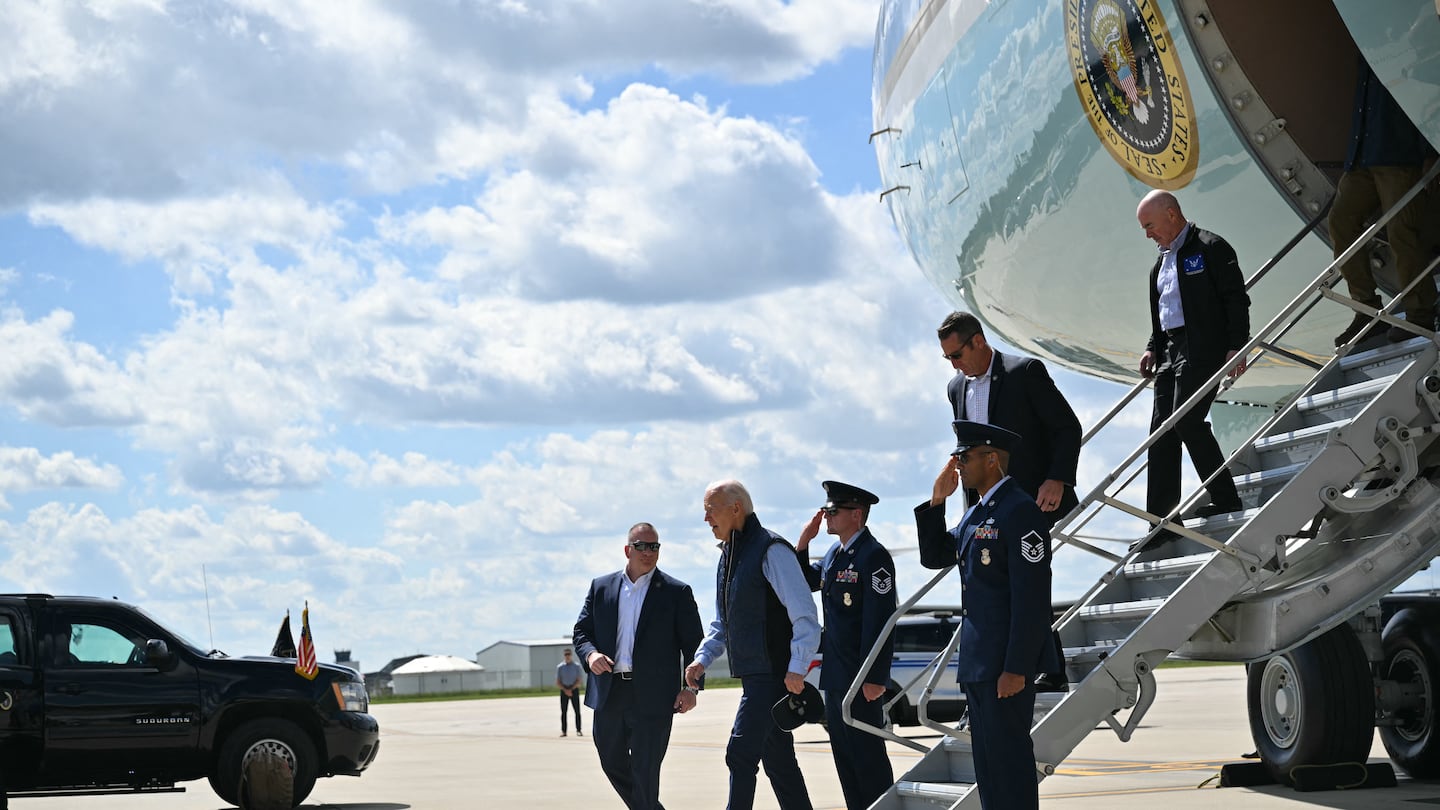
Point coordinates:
[(1412, 655), (1313, 705)]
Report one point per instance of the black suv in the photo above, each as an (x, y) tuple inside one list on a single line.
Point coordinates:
[(96, 696)]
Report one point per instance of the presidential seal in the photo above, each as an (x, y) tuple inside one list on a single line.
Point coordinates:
[(1127, 74)]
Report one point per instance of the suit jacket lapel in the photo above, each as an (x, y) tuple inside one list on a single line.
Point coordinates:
[(651, 595), (997, 381)]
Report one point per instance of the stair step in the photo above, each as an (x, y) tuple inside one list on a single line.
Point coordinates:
[(1138, 609), (1268, 478), (1169, 568), (939, 794), (1313, 434), (1343, 402), (1386, 355)]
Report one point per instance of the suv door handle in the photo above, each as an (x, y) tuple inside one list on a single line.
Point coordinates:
[(70, 689)]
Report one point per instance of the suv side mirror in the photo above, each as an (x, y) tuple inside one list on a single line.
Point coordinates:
[(157, 652)]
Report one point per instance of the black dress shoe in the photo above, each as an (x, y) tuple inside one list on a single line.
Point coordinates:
[(1360, 324), (1210, 510), (1052, 682)]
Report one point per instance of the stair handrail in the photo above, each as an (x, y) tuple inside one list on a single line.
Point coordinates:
[(874, 655), (1317, 290)]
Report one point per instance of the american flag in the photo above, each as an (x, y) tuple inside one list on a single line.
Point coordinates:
[(305, 657)]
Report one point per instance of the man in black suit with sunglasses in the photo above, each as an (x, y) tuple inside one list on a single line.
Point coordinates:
[(637, 630)]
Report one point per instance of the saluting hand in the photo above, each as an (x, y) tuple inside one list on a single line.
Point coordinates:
[(945, 483), (808, 533)]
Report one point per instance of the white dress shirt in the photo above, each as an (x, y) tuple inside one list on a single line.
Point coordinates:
[(977, 395), (632, 598), (1167, 283)]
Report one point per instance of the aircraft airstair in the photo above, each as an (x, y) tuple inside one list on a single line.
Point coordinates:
[(1342, 500)]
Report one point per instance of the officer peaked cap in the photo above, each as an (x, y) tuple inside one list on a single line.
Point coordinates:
[(793, 711), (978, 434), (838, 494)]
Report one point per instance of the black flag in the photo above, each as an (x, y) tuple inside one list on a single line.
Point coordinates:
[(284, 642)]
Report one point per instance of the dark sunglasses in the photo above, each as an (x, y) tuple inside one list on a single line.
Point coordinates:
[(831, 511), (642, 546), (955, 355)]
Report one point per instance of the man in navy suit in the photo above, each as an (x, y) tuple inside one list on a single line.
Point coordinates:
[(635, 633), (856, 581), (1002, 547)]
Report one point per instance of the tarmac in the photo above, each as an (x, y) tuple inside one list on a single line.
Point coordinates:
[(508, 754)]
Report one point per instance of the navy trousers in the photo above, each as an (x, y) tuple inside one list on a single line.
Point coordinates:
[(860, 757), (631, 744), (755, 739), (1004, 752)]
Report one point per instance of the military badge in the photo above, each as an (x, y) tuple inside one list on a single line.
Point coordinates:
[(987, 533), (1032, 547), (882, 581), (849, 575), (984, 556), (846, 599)]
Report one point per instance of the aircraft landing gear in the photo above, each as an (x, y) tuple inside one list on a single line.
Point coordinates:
[(1313, 705), (1410, 675)]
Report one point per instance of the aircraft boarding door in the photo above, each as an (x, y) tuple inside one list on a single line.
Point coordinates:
[(21, 709)]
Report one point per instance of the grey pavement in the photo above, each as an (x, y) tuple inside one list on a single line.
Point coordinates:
[(508, 754)]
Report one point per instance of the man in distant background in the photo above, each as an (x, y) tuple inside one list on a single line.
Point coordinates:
[(637, 630), (567, 677)]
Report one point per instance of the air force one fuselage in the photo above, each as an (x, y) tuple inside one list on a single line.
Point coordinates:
[(1015, 138)]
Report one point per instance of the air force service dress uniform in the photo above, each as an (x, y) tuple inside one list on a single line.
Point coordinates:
[(856, 582), (1002, 550)]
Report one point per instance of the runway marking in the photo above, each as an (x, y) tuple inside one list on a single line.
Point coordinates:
[(1129, 792), (1121, 767)]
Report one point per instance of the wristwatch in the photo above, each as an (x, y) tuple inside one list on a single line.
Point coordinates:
[(691, 689)]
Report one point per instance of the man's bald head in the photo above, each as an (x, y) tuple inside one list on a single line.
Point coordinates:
[(1160, 217)]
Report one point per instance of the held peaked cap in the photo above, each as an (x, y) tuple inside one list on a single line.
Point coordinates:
[(978, 434), (793, 711)]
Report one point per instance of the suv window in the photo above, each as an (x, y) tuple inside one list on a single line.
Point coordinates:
[(930, 636), (92, 643), (8, 654)]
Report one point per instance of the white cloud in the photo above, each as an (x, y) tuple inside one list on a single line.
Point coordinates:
[(144, 99), (26, 468), (410, 470), (46, 376)]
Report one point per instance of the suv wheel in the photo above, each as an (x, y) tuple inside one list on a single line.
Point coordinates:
[(262, 750)]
